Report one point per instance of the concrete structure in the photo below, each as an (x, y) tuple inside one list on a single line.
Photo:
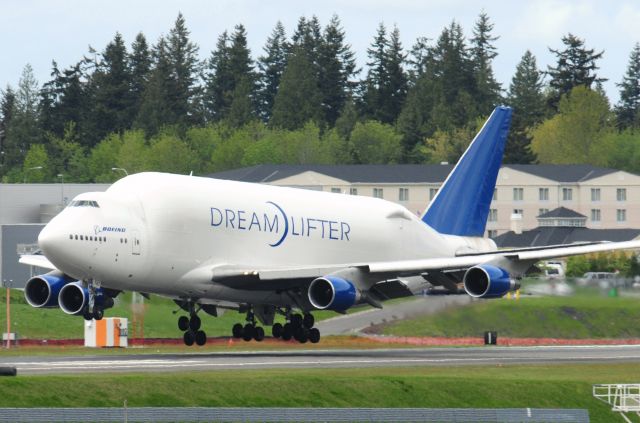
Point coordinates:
[(24, 209), (523, 192)]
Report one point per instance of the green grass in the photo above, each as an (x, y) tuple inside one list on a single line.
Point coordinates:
[(585, 315), (440, 387), (159, 320)]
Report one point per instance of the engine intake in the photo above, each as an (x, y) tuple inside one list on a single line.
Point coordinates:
[(487, 281), (332, 293), (42, 290), (74, 298)]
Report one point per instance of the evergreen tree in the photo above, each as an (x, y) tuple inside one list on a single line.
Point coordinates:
[(7, 107), (112, 84), (396, 91), (528, 102), (576, 65), (23, 128), (185, 67), (156, 104), (242, 109), (418, 58), (337, 65), (298, 99), (272, 66), (483, 52), (628, 108), (308, 36), (140, 68), (376, 91)]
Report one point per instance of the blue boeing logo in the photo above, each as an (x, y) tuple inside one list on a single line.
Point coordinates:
[(277, 221)]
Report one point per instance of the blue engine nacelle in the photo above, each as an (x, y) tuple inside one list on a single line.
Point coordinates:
[(74, 299), (332, 293), (487, 281), (42, 290)]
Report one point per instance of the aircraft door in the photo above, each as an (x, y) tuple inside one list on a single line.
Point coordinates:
[(135, 243)]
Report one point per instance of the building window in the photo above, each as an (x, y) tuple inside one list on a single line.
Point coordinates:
[(567, 194), (493, 215), (377, 192), (403, 194), (518, 194), (621, 194), (518, 211), (621, 215), (353, 191), (336, 190), (495, 194), (543, 194), (432, 193), (595, 215), (542, 211), (492, 233), (595, 194)]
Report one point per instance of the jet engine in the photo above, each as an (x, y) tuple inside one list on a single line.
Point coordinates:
[(74, 299), (487, 281), (42, 290), (332, 293)]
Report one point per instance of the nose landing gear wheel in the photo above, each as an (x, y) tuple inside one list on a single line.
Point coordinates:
[(183, 323)]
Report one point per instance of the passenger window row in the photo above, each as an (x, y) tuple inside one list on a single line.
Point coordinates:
[(88, 238)]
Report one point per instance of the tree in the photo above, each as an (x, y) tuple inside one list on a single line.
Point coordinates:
[(272, 66), (112, 84), (182, 55), (242, 109), (35, 166), (373, 142), (7, 107), (628, 108), (23, 128), (578, 133), (528, 102), (140, 68), (576, 65), (337, 65), (298, 98), (482, 53)]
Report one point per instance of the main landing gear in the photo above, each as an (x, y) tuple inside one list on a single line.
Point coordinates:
[(298, 327), (191, 327), (93, 310)]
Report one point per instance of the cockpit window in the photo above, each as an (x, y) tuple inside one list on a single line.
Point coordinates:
[(84, 203)]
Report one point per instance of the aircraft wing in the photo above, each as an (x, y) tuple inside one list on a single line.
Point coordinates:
[(291, 277), (37, 260)]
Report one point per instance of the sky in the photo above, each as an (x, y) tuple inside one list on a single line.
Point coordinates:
[(39, 31)]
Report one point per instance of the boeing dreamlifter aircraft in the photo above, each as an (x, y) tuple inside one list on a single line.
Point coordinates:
[(263, 250)]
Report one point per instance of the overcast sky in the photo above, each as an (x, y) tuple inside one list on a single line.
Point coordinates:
[(39, 31)]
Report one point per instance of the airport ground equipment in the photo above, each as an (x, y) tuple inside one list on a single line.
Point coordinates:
[(108, 332)]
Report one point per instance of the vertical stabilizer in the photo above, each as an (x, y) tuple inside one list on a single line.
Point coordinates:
[(462, 204)]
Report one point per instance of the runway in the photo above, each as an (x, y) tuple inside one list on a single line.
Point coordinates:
[(41, 365)]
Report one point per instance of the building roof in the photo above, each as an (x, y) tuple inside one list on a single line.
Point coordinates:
[(570, 173), (402, 173), (552, 235), (562, 212)]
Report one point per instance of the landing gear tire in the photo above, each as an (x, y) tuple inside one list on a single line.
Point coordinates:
[(276, 330), (296, 320), (87, 316), (237, 330), (308, 321), (247, 332), (303, 336), (98, 314), (287, 332), (194, 323), (183, 323), (314, 335), (201, 338), (258, 334), (188, 338)]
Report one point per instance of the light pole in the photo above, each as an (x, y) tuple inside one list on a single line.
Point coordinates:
[(61, 176), (26, 172), (120, 169)]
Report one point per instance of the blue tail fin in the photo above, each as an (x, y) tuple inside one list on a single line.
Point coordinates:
[(462, 204)]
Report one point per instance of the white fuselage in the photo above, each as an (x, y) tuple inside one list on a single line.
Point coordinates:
[(150, 232)]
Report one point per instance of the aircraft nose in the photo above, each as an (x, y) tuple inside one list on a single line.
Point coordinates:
[(49, 239)]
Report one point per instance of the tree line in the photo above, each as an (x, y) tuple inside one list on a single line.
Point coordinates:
[(304, 100)]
